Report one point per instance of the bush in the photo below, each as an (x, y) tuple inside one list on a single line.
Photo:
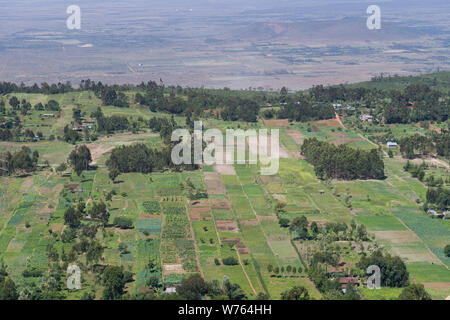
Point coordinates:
[(230, 261), (447, 250), (123, 223)]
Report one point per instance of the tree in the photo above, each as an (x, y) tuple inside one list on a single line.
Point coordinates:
[(14, 102), (393, 269), (295, 293), (192, 287), (72, 217), (114, 173), (299, 226), (232, 290), (153, 282), (447, 250), (80, 158), (94, 252), (7, 286), (414, 292), (100, 211), (114, 282)]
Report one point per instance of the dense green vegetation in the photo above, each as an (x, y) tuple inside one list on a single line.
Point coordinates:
[(342, 162)]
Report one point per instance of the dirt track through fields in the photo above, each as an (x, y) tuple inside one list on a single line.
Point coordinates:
[(246, 275)]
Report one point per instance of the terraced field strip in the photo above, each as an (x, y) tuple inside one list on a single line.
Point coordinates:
[(193, 238)]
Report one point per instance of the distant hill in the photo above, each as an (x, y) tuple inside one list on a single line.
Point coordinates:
[(347, 29), (437, 80)]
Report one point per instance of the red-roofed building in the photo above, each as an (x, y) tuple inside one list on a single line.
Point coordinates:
[(347, 280)]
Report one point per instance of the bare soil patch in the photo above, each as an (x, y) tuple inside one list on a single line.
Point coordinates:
[(97, 150), (26, 184), (195, 216), (328, 123), (214, 184), (173, 269), (231, 240), (276, 123), (296, 136), (225, 169), (437, 285), (150, 216), (242, 249), (201, 210), (199, 203), (279, 197), (250, 222), (227, 225), (220, 204)]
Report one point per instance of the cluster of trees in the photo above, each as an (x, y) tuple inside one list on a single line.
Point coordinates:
[(137, 158), (342, 93), (24, 106), (51, 105), (335, 231), (442, 144), (164, 126), (74, 214), (22, 161), (70, 135), (342, 162), (7, 286), (428, 104), (418, 171), (438, 197), (239, 109), (417, 143), (111, 124), (79, 159), (289, 270), (140, 158), (195, 287), (296, 293), (305, 110), (5, 135), (111, 97), (44, 88), (393, 269)]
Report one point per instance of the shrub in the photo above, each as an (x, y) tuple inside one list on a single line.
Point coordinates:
[(230, 261), (123, 223)]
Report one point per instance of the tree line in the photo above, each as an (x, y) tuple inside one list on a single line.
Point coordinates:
[(342, 162)]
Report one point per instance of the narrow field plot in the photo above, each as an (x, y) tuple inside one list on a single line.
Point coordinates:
[(153, 226), (227, 225), (285, 253), (230, 180), (427, 272), (381, 223), (214, 184)]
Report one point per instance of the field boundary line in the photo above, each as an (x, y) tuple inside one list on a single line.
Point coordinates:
[(245, 272)]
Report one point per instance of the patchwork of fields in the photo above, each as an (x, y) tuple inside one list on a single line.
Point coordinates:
[(236, 221)]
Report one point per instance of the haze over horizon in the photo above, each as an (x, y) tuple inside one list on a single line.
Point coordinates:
[(236, 44)]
